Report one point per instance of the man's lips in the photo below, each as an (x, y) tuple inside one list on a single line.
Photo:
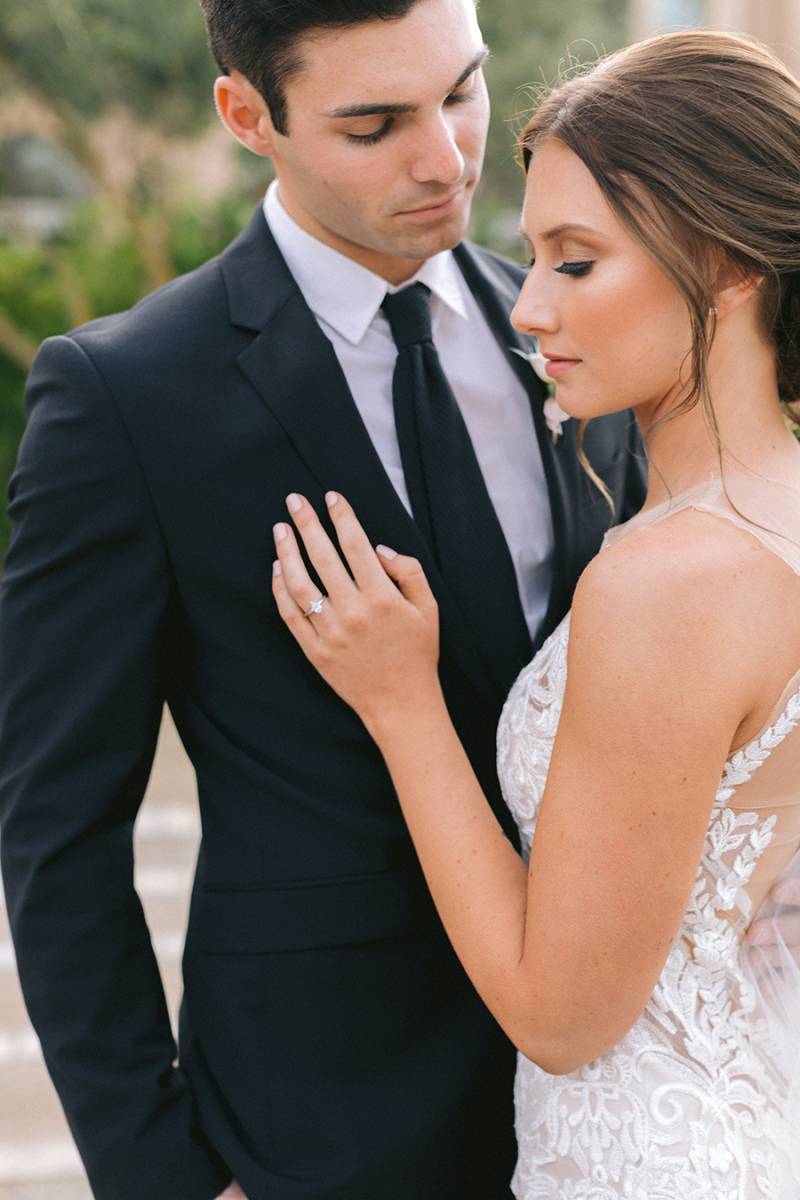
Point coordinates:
[(439, 206)]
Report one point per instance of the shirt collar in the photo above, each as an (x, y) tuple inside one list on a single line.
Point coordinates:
[(324, 276)]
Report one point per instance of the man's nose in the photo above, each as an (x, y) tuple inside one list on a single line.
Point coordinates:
[(439, 159)]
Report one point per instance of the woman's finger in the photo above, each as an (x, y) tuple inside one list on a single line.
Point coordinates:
[(324, 556), (296, 579), (409, 576), (356, 546), (302, 629)]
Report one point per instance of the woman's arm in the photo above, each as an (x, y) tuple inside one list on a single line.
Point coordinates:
[(564, 954)]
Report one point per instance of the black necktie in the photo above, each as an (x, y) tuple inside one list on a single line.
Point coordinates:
[(447, 491)]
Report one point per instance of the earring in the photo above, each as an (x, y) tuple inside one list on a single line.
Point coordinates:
[(712, 312)]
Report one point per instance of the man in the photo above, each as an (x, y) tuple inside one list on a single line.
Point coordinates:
[(330, 1045)]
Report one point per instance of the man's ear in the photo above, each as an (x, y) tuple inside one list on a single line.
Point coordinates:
[(244, 113), (733, 286)]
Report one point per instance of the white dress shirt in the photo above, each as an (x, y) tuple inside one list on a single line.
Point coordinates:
[(346, 300)]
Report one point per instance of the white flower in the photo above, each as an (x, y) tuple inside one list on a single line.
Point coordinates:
[(554, 415), (536, 361)]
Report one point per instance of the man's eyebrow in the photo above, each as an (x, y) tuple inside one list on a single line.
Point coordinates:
[(558, 230), (384, 110), (476, 64)]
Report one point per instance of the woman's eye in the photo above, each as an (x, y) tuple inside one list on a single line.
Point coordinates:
[(575, 268), (371, 139)]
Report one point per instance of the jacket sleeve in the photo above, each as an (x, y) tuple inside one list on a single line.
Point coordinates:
[(84, 608)]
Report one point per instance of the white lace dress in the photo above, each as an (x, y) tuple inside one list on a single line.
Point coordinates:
[(700, 1101)]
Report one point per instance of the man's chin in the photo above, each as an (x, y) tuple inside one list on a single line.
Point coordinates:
[(424, 243)]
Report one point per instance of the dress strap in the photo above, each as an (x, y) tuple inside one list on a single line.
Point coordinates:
[(767, 510)]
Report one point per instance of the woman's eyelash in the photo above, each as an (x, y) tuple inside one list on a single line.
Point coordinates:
[(569, 268), (370, 139), (575, 268)]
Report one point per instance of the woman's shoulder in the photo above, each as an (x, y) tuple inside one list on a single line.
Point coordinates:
[(688, 583), (679, 551)]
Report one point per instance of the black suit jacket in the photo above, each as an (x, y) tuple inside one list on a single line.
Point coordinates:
[(331, 1046)]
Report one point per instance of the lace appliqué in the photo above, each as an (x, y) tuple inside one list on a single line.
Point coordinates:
[(691, 1104)]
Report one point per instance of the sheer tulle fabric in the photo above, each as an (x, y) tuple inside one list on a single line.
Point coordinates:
[(701, 1100)]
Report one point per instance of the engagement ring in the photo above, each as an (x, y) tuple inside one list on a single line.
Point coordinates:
[(316, 607)]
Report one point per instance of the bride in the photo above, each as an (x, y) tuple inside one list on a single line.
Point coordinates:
[(650, 753)]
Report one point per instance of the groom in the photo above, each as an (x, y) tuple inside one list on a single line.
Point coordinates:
[(331, 1047)]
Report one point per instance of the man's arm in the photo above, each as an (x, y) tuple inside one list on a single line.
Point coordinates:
[(86, 600)]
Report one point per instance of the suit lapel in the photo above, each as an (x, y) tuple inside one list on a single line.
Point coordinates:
[(294, 369)]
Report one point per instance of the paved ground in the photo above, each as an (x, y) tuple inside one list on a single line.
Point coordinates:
[(37, 1158)]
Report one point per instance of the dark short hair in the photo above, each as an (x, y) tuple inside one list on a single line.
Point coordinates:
[(259, 38)]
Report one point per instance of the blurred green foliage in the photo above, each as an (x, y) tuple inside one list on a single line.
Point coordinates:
[(531, 44), (86, 56)]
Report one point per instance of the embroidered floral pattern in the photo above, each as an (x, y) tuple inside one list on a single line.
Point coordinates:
[(691, 1104)]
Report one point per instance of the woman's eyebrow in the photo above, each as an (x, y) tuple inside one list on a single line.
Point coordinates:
[(559, 230)]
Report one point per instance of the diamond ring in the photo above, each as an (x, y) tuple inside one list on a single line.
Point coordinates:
[(316, 607)]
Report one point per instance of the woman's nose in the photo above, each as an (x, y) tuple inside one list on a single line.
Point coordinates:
[(533, 313)]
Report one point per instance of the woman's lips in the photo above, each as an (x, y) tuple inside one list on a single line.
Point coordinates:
[(556, 367)]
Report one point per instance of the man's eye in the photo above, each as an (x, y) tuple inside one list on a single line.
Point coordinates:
[(371, 139), (461, 97), (575, 268)]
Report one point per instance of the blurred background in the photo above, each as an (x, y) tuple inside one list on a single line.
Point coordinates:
[(115, 176)]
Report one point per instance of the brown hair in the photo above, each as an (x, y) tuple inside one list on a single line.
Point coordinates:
[(694, 139)]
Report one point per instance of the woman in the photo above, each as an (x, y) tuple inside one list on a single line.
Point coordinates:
[(654, 741)]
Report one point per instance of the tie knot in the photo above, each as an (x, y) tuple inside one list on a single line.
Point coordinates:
[(409, 315)]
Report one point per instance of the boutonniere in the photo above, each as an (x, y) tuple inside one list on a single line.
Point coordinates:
[(554, 415)]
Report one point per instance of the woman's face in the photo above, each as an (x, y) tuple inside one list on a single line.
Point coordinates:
[(615, 328)]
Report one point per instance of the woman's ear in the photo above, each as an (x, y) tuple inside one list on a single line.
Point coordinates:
[(733, 286), (244, 113)]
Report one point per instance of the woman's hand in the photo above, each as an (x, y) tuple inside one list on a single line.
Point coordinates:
[(375, 637)]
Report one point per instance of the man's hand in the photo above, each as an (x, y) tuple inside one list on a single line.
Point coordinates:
[(232, 1192)]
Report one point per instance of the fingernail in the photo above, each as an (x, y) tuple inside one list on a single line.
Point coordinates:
[(279, 532), (386, 552), (331, 498), (294, 503), (277, 569)]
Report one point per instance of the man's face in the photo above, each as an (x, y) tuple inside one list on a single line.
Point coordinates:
[(387, 124)]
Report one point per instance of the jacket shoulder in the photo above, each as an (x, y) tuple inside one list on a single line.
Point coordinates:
[(177, 313), (496, 269), (492, 261)]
